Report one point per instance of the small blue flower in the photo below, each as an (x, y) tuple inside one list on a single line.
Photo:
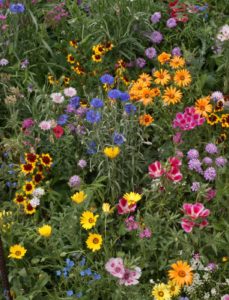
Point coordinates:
[(79, 295), (82, 262), (65, 273), (17, 8), (58, 273), (92, 148), (129, 108), (88, 272), (14, 184), (74, 101), (93, 116), (82, 273), (70, 263), (62, 119), (114, 94), (8, 183), (124, 97), (11, 172), (118, 138), (96, 276), (96, 103), (107, 79), (69, 293)]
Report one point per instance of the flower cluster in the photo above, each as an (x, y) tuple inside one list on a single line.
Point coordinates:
[(188, 120)]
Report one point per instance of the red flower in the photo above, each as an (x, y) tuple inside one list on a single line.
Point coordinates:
[(156, 170), (58, 131)]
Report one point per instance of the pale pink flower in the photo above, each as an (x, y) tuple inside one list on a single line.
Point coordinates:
[(45, 125), (131, 224), (131, 277), (57, 98), (156, 170), (70, 92), (146, 233), (225, 297), (124, 207), (115, 267)]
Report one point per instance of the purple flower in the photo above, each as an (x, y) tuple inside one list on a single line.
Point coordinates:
[(207, 160), (146, 233), (81, 111), (220, 161), (140, 62), (195, 164), (215, 96), (24, 64), (171, 23), (17, 8), (151, 52), (211, 148), (124, 96), (155, 18), (177, 138), (3, 62), (211, 193), (114, 94), (96, 103), (62, 119), (118, 138), (192, 153), (93, 116), (130, 108), (131, 224), (74, 181), (195, 186), (176, 51), (156, 37), (210, 174), (212, 267), (80, 130), (27, 123), (74, 101), (82, 163), (107, 79)]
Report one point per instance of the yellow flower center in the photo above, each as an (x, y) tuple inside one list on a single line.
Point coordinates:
[(181, 273)]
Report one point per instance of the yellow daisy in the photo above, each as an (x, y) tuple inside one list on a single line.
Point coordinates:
[(182, 78), (164, 57), (173, 288), (111, 152), (28, 187), (181, 273), (88, 220), (172, 95), (17, 251), (132, 197), (161, 292), (162, 77), (177, 62), (79, 197), (94, 241), (45, 230), (203, 106)]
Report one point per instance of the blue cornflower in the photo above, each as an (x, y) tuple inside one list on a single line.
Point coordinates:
[(107, 79), (118, 138), (58, 273), (17, 8), (65, 273), (88, 271), (93, 116), (79, 295), (70, 263), (96, 276), (124, 97), (74, 101), (69, 293), (82, 262), (96, 103), (62, 119), (92, 149), (129, 108), (82, 273), (114, 94)]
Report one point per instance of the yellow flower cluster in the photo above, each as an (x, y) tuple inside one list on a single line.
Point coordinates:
[(100, 50)]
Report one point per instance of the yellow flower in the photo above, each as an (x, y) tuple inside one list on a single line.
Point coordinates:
[(29, 209), (45, 230), (225, 259), (88, 220), (177, 62), (146, 78), (17, 251), (203, 106), (19, 198), (28, 187), (71, 59), (132, 197), (27, 168), (106, 208), (94, 241), (162, 77), (73, 43), (173, 288), (46, 160), (161, 292), (171, 95), (79, 197), (111, 152), (96, 58), (181, 273), (145, 120), (164, 57), (182, 78)]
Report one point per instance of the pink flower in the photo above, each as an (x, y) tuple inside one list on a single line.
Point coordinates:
[(195, 211), (27, 123), (225, 297), (174, 174), (177, 138), (57, 98), (131, 224), (204, 223), (131, 277), (188, 120), (156, 170), (124, 208), (70, 92), (146, 233), (45, 125), (174, 161), (58, 131), (187, 225), (115, 267)]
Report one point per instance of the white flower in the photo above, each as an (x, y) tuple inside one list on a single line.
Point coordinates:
[(213, 291), (3, 62), (35, 202), (57, 98), (206, 296), (206, 276), (38, 192), (45, 125), (70, 92)]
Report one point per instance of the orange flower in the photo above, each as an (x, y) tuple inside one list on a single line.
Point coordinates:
[(162, 77), (164, 57), (172, 95), (181, 273), (177, 62), (146, 78), (147, 96), (145, 120), (203, 107), (182, 78)]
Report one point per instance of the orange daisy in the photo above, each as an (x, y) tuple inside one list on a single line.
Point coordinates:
[(164, 57), (181, 273), (171, 95), (146, 78), (182, 78), (162, 77), (146, 120), (147, 96), (203, 107), (177, 62)]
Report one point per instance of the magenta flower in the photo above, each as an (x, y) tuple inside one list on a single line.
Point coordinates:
[(177, 138), (187, 225), (211, 193), (174, 174), (146, 233), (188, 120), (131, 224), (195, 211), (156, 170), (124, 208), (27, 123), (210, 174), (225, 297), (175, 161)]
